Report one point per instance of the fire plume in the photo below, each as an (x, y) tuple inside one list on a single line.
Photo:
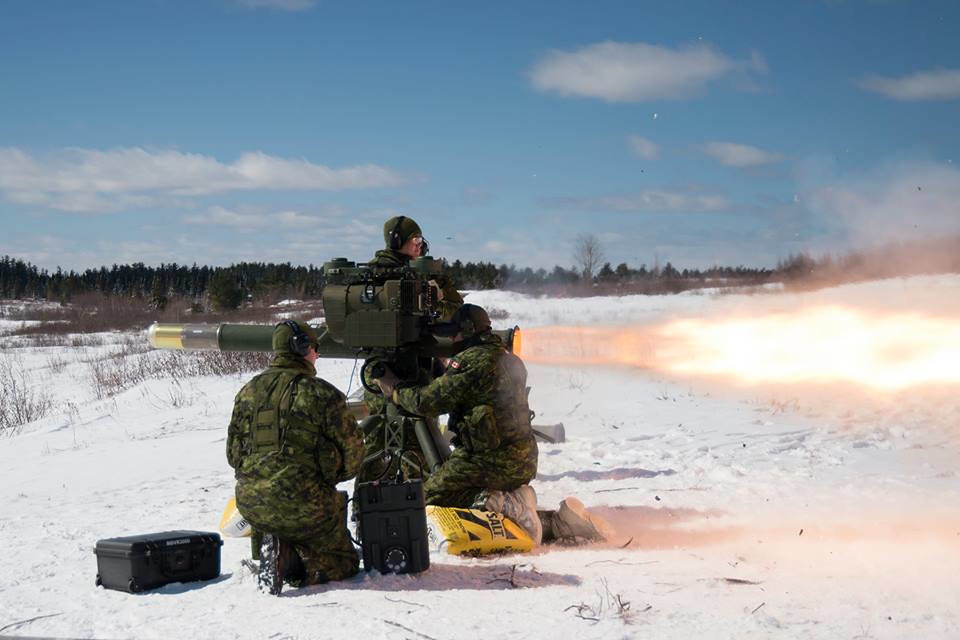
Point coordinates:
[(826, 344)]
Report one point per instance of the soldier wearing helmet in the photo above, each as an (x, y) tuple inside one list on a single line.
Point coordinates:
[(404, 241)]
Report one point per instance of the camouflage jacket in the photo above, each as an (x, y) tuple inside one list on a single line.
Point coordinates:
[(452, 300), (291, 430), (484, 392)]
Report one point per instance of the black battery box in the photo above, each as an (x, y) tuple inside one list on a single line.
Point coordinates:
[(392, 525), (138, 563)]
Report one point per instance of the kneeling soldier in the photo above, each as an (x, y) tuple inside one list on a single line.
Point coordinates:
[(291, 440), (484, 392)]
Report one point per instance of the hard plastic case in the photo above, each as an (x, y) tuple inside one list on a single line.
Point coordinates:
[(138, 563)]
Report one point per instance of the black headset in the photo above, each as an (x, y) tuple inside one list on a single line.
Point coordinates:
[(394, 237), (299, 341), (462, 317)]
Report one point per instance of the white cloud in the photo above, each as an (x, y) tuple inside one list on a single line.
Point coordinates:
[(329, 220), (280, 236), (314, 235), (636, 72), (495, 246), (83, 202), (651, 201), (93, 180), (731, 154), (896, 203), (936, 84), (221, 216), (644, 148), (610, 236), (283, 5)]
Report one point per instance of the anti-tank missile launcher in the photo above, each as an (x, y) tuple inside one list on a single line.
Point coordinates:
[(367, 310), (384, 315)]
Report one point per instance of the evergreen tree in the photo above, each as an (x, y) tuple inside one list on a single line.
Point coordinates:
[(225, 293)]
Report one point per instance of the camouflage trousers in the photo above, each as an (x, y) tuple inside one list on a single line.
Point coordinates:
[(460, 479), (314, 521)]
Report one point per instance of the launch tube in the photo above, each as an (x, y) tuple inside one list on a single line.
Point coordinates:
[(233, 337), (259, 337)]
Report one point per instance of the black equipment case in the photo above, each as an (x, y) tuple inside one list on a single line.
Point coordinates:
[(137, 563), (393, 527)]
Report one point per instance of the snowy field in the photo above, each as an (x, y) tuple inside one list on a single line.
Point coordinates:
[(740, 510)]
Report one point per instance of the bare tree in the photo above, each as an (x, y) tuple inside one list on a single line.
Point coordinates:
[(588, 254)]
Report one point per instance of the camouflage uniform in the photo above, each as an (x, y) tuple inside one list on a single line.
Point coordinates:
[(373, 427), (484, 392), (374, 436), (291, 440)]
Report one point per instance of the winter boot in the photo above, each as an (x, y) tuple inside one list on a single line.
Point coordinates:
[(572, 521), (520, 505), (272, 561)]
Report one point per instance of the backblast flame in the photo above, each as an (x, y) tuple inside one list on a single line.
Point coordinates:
[(830, 344)]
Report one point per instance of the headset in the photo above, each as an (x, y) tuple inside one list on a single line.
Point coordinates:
[(395, 240), (299, 341)]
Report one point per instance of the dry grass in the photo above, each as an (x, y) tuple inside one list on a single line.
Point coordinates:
[(92, 322), (93, 313), (608, 605), (122, 370), (21, 401)]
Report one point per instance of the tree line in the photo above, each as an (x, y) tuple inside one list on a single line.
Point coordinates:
[(224, 288), (487, 275), (228, 287)]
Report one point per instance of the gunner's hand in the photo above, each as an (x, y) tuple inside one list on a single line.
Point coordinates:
[(387, 382)]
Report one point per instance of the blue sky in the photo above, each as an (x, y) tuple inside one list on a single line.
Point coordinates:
[(216, 131)]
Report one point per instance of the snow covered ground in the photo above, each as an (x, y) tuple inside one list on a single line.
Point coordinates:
[(740, 510)]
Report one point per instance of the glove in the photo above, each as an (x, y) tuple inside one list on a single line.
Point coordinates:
[(436, 285), (387, 382)]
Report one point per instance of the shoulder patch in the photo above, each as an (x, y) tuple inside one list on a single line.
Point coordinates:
[(454, 364)]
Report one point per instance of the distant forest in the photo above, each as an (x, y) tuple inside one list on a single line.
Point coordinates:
[(224, 288)]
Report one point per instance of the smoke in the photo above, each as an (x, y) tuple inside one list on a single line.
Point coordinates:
[(896, 204)]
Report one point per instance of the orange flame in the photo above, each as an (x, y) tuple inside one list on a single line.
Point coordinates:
[(819, 345)]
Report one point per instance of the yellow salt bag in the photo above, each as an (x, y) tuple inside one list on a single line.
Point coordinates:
[(474, 532), (232, 524)]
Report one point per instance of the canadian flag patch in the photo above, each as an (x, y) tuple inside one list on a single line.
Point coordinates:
[(454, 364)]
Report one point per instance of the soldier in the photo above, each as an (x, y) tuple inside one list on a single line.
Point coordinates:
[(404, 241), (291, 440), (484, 392)]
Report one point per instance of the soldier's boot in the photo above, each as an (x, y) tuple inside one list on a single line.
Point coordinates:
[(294, 572), (256, 539), (572, 522), (272, 565), (520, 505)]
